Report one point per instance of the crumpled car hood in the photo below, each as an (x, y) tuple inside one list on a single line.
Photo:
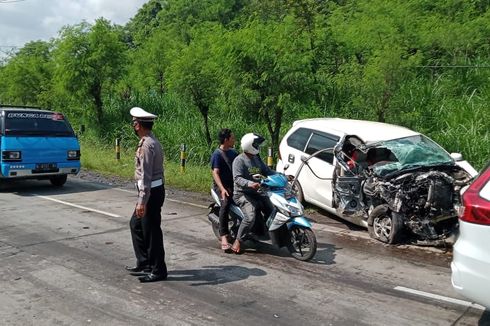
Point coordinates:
[(411, 155)]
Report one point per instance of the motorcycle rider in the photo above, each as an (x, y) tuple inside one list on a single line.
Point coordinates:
[(245, 166)]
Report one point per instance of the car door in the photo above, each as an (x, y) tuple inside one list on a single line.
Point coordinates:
[(292, 148), (317, 176)]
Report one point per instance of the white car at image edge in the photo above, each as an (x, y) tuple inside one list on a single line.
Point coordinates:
[(471, 252)]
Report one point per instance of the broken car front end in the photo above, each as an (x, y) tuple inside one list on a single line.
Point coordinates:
[(408, 184)]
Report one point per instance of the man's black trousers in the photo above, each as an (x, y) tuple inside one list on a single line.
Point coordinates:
[(224, 210), (147, 235)]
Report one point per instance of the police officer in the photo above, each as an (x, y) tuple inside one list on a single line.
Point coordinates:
[(145, 223)]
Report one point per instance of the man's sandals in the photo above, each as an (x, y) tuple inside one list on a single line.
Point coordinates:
[(236, 251), (226, 247)]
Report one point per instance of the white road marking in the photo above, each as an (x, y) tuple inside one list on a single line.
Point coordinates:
[(186, 203), (169, 199), (78, 206), (440, 297)]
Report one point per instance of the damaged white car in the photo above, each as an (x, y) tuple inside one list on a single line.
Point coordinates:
[(392, 180)]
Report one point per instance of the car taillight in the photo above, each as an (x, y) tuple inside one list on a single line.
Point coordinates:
[(476, 208)]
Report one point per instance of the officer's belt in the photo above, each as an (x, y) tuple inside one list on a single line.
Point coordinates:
[(156, 183)]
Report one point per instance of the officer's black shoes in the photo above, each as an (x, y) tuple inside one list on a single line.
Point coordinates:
[(153, 277), (143, 273), (138, 269)]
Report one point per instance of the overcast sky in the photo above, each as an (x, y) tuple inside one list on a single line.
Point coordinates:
[(22, 21)]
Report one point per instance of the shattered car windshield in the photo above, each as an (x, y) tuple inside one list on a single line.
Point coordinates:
[(412, 152)]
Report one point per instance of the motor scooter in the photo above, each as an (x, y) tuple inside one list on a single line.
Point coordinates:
[(285, 227)]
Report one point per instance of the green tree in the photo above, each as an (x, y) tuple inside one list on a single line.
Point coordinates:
[(26, 77), (377, 40), (180, 17), (270, 72), (89, 61), (144, 23), (150, 62), (196, 73)]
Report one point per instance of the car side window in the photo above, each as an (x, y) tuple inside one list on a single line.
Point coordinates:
[(299, 138), (321, 141)]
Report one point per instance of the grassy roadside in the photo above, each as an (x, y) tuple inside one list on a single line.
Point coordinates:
[(102, 158)]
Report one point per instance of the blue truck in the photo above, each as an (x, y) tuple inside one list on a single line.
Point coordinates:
[(37, 144)]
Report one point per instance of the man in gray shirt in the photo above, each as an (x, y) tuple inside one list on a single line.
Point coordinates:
[(245, 195), (145, 223)]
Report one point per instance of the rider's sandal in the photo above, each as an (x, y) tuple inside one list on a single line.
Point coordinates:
[(235, 251), (226, 248)]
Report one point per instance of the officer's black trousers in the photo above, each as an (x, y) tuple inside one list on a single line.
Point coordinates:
[(147, 235)]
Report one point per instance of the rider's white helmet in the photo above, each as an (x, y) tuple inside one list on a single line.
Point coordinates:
[(251, 143)]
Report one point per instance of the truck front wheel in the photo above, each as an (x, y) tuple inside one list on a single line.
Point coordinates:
[(59, 180)]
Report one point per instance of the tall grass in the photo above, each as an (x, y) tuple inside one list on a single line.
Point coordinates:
[(466, 130), (178, 123), (101, 157)]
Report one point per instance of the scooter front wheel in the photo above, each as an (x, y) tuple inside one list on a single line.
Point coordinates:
[(303, 243)]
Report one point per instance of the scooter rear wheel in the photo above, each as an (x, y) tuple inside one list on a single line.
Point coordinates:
[(216, 230), (303, 243)]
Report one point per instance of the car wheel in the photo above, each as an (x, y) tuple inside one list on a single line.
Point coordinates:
[(298, 191), (384, 225)]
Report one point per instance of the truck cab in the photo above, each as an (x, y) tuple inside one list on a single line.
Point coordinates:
[(37, 144)]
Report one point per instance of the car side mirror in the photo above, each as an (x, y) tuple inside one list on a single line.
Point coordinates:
[(457, 157)]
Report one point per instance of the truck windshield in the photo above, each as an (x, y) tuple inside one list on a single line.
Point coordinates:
[(37, 124)]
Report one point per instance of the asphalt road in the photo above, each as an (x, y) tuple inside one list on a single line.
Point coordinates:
[(63, 252)]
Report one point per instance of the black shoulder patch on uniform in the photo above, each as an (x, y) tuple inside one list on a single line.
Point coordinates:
[(142, 140)]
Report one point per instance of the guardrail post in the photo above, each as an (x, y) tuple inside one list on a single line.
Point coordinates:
[(270, 161), (118, 149), (183, 157)]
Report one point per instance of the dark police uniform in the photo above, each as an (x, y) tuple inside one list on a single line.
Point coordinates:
[(145, 231)]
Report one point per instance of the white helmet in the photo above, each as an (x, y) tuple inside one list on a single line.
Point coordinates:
[(251, 143)]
